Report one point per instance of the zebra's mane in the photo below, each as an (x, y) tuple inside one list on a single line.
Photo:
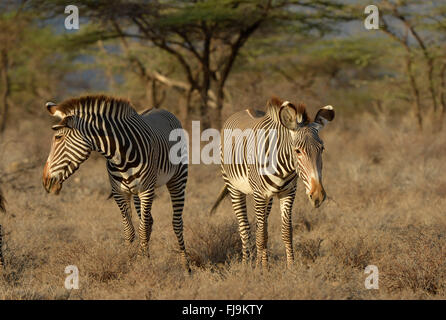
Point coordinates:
[(87, 104)]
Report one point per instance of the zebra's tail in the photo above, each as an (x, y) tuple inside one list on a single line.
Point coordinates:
[(223, 193)]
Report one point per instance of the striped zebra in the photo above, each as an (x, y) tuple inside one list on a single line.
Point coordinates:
[(2, 209), (292, 144), (136, 147)]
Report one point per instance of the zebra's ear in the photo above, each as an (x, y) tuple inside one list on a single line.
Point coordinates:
[(293, 117), (57, 127), (324, 115), (54, 111), (65, 123), (288, 115)]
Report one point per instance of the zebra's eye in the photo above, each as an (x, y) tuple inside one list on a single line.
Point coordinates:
[(298, 151), (58, 137)]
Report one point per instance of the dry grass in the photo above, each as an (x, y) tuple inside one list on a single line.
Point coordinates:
[(386, 187)]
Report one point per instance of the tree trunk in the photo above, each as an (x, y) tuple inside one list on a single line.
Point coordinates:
[(6, 90), (157, 97), (430, 63), (442, 95), (204, 101), (220, 100), (189, 108), (415, 91), (206, 84)]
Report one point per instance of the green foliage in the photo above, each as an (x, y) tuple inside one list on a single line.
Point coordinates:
[(37, 60), (298, 41)]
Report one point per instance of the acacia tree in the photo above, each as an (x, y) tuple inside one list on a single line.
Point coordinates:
[(436, 22), (10, 37), (32, 62), (419, 37), (205, 37)]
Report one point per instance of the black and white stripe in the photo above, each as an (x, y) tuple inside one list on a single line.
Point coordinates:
[(296, 150), (136, 147)]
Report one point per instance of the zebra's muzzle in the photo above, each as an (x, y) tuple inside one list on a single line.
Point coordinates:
[(317, 194), (52, 185)]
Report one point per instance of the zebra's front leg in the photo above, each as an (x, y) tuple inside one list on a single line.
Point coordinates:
[(123, 201), (261, 204), (146, 220), (177, 191), (286, 206), (239, 205)]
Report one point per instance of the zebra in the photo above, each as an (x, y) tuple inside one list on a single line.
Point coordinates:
[(2, 209), (136, 147), (297, 152)]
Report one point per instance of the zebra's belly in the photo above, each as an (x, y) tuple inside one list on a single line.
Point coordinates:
[(134, 184), (163, 178), (133, 187), (269, 185), (241, 184)]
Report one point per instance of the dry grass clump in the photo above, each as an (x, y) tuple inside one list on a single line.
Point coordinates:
[(216, 245), (419, 261), (309, 250)]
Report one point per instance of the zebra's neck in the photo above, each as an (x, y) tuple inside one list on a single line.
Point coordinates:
[(112, 126), (124, 141), (285, 150), (272, 112), (121, 140)]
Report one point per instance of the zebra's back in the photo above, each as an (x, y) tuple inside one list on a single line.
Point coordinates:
[(162, 122), (244, 119)]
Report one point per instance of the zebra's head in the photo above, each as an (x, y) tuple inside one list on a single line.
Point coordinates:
[(69, 149), (308, 146)]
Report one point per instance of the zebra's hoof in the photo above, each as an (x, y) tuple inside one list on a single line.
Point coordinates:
[(128, 242), (144, 251)]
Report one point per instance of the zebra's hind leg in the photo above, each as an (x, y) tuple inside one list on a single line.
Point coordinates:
[(137, 204), (146, 220), (123, 201), (286, 205), (239, 205), (261, 204), (177, 191), (268, 209)]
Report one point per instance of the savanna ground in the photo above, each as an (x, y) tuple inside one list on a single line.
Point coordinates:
[(386, 186)]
